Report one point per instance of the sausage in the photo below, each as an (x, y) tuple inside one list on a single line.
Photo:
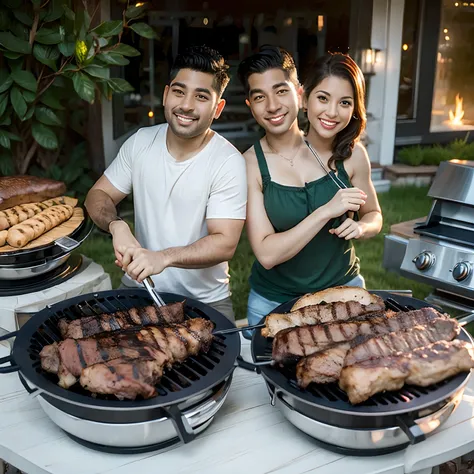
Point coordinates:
[(20, 213), (20, 234)]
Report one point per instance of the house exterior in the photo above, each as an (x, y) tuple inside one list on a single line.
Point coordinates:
[(415, 54)]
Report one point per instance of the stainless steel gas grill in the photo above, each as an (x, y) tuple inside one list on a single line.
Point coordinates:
[(440, 251), (189, 394), (385, 423)]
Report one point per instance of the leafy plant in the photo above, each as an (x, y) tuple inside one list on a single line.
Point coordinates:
[(73, 172), (51, 54), (435, 155), (412, 156)]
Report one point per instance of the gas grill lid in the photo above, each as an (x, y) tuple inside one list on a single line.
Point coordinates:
[(454, 181)]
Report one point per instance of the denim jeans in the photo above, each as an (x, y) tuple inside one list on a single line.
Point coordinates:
[(258, 306)]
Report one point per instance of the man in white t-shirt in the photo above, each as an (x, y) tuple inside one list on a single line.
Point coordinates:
[(189, 190)]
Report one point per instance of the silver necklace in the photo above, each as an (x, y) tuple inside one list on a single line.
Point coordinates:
[(290, 160)]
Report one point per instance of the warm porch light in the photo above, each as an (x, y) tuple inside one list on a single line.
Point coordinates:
[(368, 60), (456, 117), (320, 22)]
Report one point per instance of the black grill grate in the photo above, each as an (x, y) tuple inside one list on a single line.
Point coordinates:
[(189, 378), (331, 397)]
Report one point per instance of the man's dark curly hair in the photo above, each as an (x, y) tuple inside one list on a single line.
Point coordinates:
[(203, 59)]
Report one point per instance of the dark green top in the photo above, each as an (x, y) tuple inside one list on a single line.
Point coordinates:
[(325, 261)]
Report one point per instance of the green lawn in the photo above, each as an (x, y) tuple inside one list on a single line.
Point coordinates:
[(398, 205)]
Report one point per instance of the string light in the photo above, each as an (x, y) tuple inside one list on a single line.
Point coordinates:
[(445, 30), (405, 47), (151, 114), (205, 21), (447, 38)]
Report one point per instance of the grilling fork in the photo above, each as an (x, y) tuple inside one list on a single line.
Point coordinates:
[(150, 287)]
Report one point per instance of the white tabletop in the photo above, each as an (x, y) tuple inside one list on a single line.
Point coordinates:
[(248, 435)]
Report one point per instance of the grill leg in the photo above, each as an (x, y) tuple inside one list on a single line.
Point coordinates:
[(2, 467)]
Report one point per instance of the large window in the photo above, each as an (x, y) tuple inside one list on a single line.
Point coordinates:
[(453, 95)]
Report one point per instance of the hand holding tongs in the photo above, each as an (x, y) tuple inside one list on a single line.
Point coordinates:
[(150, 287)]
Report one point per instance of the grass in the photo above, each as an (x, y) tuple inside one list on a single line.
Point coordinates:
[(398, 205)]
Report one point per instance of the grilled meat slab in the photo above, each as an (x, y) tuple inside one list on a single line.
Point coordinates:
[(149, 315), (293, 343), (326, 366), (423, 366), (124, 378), (337, 293), (440, 329), (166, 345), (318, 314)]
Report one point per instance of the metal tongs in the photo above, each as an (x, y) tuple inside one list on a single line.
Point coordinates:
[(150, 287)]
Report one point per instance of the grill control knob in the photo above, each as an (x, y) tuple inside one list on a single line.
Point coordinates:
[(424, 260), (462, 270)]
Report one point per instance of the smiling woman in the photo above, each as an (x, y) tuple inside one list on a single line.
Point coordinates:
[(296, 214)]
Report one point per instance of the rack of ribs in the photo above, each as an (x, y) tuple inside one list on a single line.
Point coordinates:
[(319, 314), (423, 366), (326, 366), (165, 345), (149, 315), (291, 344)]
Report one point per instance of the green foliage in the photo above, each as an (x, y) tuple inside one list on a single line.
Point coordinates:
[(52, 52), (412, 156), (74, 172), (434, 155)]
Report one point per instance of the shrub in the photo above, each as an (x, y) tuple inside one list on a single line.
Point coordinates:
[(412, 156), (435, 155)]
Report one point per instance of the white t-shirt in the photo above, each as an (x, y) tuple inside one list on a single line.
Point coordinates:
[(173, 199)]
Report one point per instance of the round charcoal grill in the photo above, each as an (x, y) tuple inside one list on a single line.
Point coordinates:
[(384, 423), (189, 394)]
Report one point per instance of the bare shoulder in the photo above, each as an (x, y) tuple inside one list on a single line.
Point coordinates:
[(250, 156), (253, 170), (359, 162)]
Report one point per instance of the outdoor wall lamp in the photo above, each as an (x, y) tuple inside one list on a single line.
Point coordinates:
[(368, 60)]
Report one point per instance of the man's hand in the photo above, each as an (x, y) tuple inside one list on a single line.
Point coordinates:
[(122, 239), (140, 263), (349, 229)]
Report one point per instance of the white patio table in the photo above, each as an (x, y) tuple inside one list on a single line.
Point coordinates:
[(248, 435)]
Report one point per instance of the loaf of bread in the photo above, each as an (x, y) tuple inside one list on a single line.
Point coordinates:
[(3, 237), (20, 213), (19, 235), (16, 190)]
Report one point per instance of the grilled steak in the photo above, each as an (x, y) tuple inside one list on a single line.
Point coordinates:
[(326, 366), (322, 367), (123, 378), (318, 314), (149, 315), (439, 330), (337, 293), (292, 344), (423, 366), (166, 345)]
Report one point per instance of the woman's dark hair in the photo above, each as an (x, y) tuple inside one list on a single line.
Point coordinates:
[(344, 67), (268, 57), (203, 59)]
